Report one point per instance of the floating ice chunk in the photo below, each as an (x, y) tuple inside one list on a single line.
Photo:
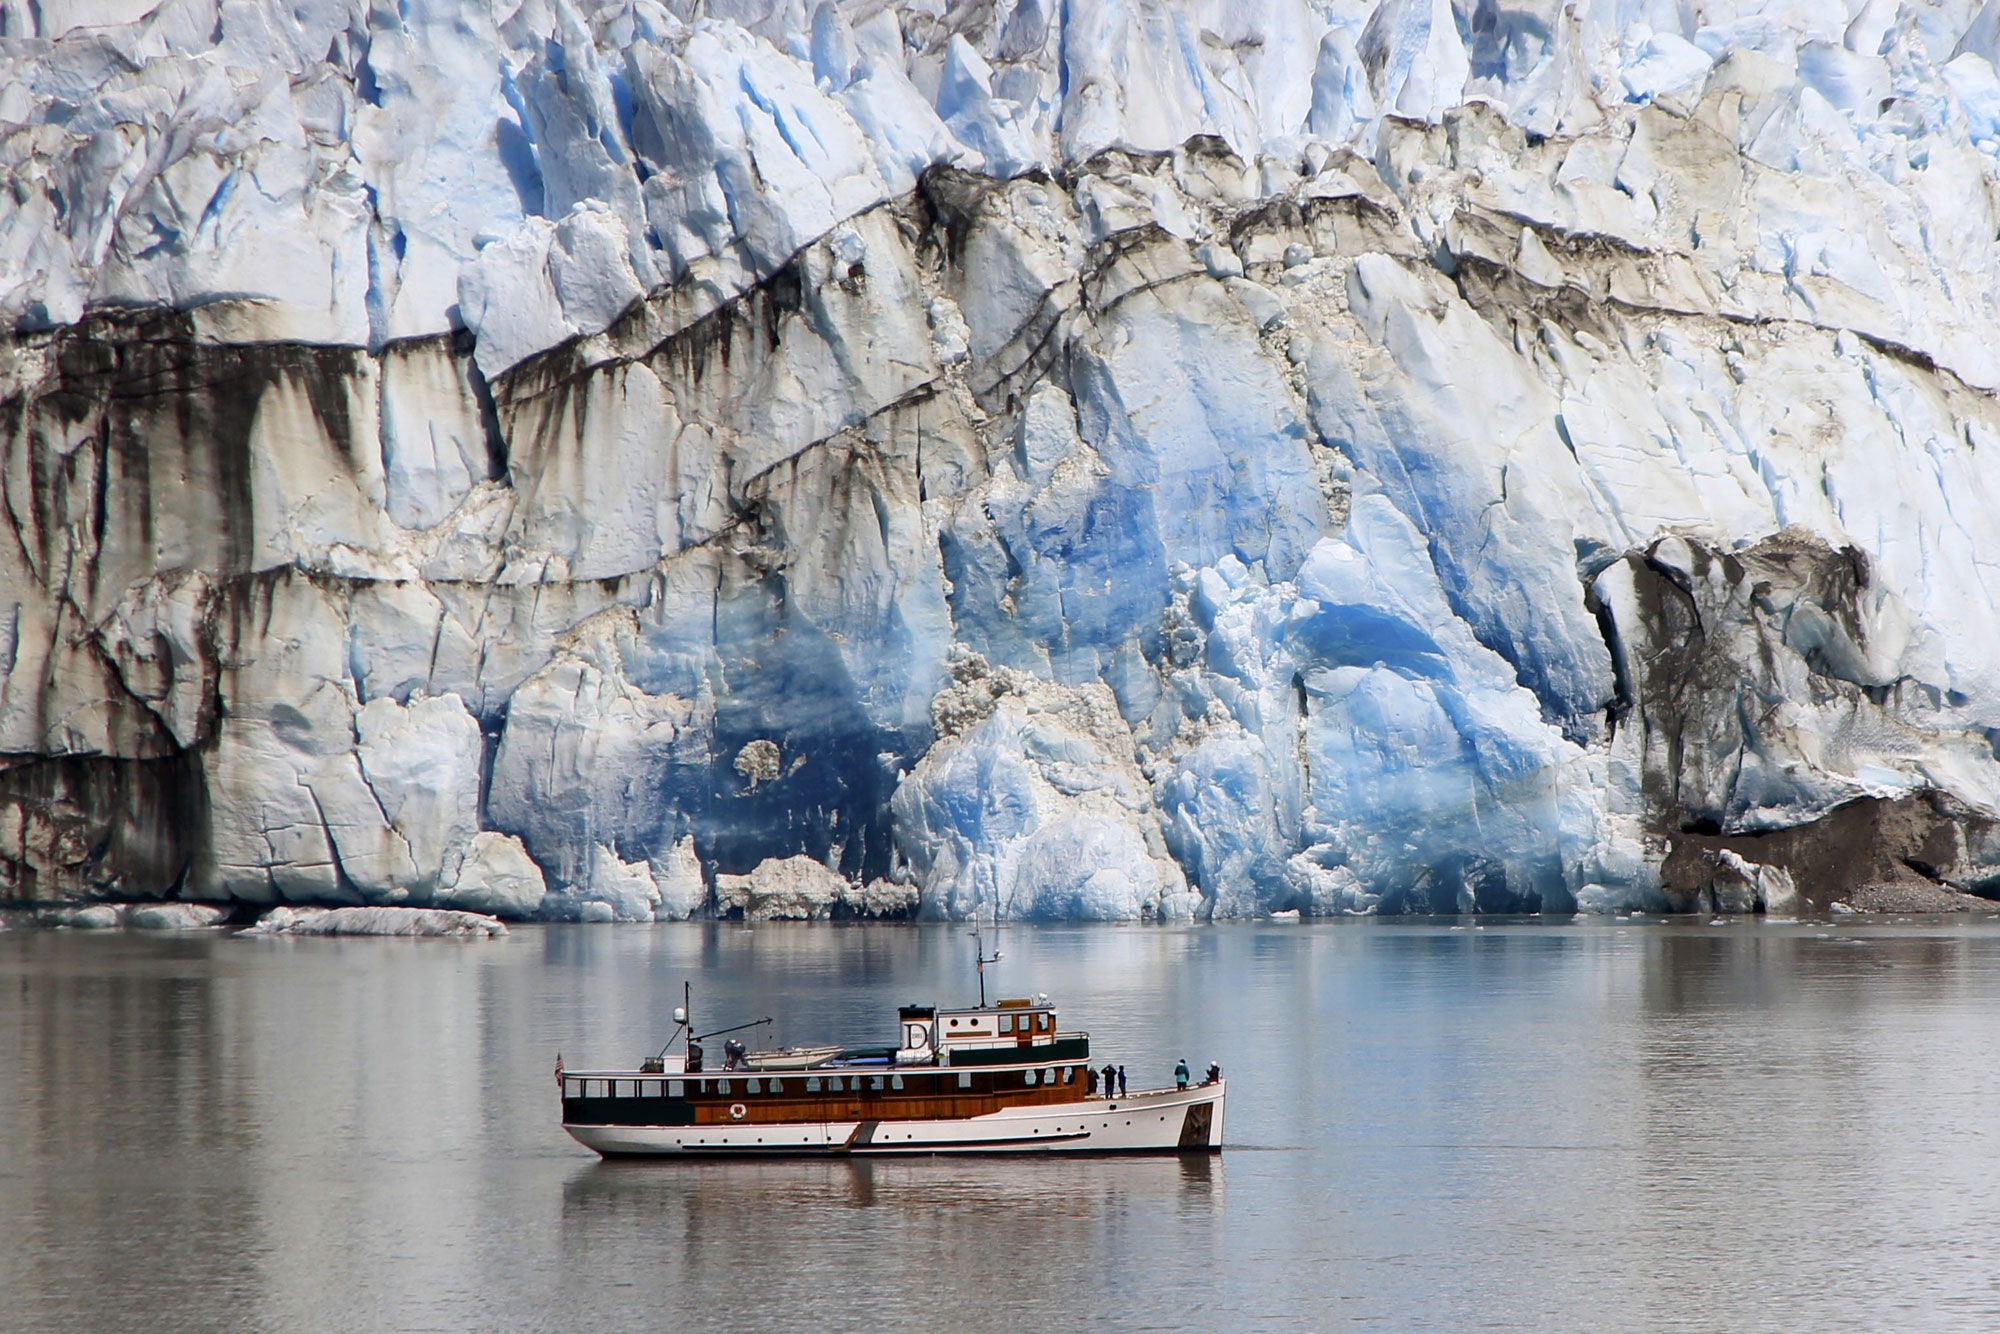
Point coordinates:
[(91, 917), (174, 916), (290, 921)]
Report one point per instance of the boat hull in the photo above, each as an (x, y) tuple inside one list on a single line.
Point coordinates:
[(1167, 1121)]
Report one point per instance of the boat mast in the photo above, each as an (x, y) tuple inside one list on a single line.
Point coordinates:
[(980, 958)]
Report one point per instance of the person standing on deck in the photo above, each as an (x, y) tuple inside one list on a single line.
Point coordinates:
[(1121, 1081), (1110, 1079), (1181, 1073)]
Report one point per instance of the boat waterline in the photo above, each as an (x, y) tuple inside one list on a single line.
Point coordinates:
[(1157, 1121)]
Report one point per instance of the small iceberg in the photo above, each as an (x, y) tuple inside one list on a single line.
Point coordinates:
[(174, 916), (376, 922)]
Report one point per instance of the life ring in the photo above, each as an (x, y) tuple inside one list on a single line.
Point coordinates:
[(736, 1110)]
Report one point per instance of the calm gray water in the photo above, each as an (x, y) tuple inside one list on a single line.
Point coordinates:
[(1515, 1126)]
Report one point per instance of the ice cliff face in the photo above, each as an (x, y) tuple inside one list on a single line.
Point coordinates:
[(1089, 460)]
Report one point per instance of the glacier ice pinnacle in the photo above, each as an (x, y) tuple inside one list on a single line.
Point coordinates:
[(1118, 458)]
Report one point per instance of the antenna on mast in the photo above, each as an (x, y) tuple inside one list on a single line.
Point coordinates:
[(980, 958)]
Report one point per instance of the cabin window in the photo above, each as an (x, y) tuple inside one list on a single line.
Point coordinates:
[(1006, 1023), (875, 1083), (722, 1086), (954, 1023), (755, 1085), (593, 1088), (834, 1085), (1029, 1076), (1047, 1023), (777, 1086), (676, 1089), (649, 1088), (965, 1079), (1049, 1076), (1069, 1074), (812, 1084), (895, 1081)]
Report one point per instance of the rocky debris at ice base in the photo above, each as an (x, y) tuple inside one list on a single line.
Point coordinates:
[(174, 916), (802, 889), (1905, 897), (1738, 885), (290, 921)]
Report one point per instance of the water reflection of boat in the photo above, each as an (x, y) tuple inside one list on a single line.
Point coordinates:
[(985, 1079), (754, 1194), (849, 1234)]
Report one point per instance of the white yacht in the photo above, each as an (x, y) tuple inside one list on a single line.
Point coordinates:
[(1001, 1078)]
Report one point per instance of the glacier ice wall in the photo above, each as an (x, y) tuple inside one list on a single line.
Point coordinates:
[(1116, 458)]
